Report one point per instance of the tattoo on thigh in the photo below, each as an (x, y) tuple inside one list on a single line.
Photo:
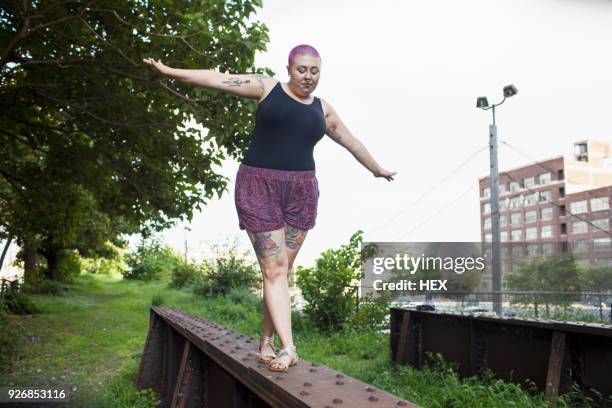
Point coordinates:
[(293, 236), (264, 245)]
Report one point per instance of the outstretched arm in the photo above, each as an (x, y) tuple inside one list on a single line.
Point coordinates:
[(245, 85), (340, 134)]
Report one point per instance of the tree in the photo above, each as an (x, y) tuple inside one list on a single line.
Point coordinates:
[(83, 118), (557, 273)]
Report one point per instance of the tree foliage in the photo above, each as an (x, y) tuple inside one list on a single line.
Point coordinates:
[(93, 142)]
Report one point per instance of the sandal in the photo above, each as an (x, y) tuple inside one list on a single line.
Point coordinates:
[(266, 356), (286, 351)]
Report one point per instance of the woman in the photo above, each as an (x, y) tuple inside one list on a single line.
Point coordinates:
[(276, 192)]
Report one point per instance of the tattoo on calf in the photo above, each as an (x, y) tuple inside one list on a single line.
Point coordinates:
[(293, 237), (265, 246)]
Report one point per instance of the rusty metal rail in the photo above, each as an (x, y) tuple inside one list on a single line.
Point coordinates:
[(192, 362), (552, 354)]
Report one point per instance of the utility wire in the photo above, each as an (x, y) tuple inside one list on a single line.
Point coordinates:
[(446, 207), (559, 206), (428, 192)]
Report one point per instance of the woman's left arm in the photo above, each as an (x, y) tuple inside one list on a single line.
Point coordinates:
[(337, 130)]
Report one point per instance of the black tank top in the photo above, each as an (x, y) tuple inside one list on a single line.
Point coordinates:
[(285, 133)]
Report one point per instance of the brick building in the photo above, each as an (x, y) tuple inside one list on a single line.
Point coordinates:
[(554, 204)]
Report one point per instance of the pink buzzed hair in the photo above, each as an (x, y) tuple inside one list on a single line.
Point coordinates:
[(302, 49)]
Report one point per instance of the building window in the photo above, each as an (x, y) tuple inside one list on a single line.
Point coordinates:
[(486, 208), (531, 233), (532, 250), (546, 213), (563, 228), (561, 192), (544, 196), (515, 202), (601, 224), (516, 234), (514, 187), (560, 175), (530, 216), (548, 248), (544, 179), (601, 244), (598, 204), (486, 192), (578, 207), (503, 220), (530, 199), (502, 188), (488, 237), (504, 236), (546, 231), (579, 227), (487, 223), (515, 218), (580, 246), (528, 182), (503, 204)]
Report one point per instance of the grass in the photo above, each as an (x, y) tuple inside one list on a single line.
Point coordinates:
[(92, 338)]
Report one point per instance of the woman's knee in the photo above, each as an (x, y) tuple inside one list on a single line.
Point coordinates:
[(274, 270)]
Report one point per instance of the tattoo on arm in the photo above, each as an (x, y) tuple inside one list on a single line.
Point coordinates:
[(294, 236), (236, 81), (332, 130), (265, 246)]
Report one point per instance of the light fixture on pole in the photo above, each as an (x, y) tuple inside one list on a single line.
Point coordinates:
[(483, 103)]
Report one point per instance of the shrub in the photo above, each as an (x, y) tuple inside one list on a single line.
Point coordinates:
[(45, 287), (244, 296), (372, 312), (68, 265), (151, 261), (329, 288), (227, 272), (13, 300), (185, 274)]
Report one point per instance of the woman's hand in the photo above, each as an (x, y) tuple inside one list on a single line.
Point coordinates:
[(385, 173), (165, 70)]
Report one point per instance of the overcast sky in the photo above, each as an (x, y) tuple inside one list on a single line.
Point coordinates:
[(404, 77)]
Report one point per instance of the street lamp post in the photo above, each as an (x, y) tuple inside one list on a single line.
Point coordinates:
[(483, 103)]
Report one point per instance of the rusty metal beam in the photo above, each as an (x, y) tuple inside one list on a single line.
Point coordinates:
[(232, 377)]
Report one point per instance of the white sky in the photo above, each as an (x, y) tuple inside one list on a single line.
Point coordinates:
[(404, 77)]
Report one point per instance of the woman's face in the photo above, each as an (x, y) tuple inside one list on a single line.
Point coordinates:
[(304, 74)]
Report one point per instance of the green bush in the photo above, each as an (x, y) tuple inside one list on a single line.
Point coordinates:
[(244, 296), (68, 265), (13, 300), (227, 272), (151, 262), (372, 312), (45, 287), (185, 274), (329, 288)]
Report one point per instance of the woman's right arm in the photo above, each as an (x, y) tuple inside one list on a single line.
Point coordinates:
[(246, 85)]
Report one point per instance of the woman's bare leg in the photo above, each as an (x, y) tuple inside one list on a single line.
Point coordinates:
[(272, 256)]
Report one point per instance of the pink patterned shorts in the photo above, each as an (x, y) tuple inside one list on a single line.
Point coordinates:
[(266, 198)]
